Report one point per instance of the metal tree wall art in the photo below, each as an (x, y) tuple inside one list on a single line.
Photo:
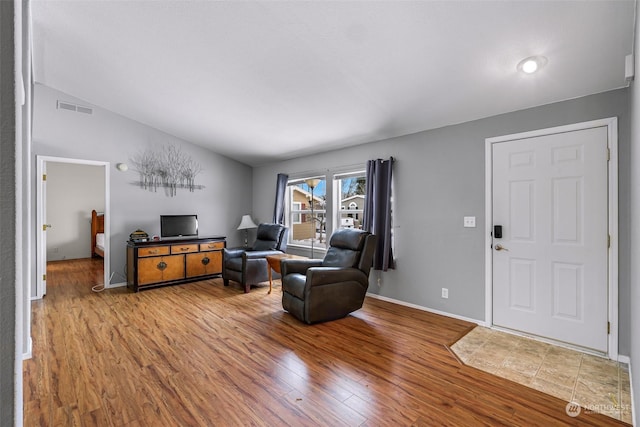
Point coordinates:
[(166, 167)]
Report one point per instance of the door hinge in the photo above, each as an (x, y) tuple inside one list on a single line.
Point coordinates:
[(44, 277), (608, 154), (608, 328), (44, 227), (609, 241), (44, 176)]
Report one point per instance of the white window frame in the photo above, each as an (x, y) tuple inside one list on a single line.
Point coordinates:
[(296, 211), (333, 208), (339, 207), (289, 214)]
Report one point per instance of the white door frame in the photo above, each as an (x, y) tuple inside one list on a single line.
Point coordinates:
[(40, 211), (612, 143)]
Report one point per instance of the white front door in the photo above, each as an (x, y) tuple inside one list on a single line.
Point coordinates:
[(550, 268)]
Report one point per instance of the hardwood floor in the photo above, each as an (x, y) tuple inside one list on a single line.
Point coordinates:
[(201, 354)]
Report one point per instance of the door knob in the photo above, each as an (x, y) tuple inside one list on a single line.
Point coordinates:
[(499, 247)]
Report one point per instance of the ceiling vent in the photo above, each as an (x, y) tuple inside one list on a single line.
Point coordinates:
[(73, 107)]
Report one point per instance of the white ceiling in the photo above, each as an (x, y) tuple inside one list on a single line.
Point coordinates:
[(266, 80)]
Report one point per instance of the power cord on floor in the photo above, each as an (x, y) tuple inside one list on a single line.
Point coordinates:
[(101, 287)]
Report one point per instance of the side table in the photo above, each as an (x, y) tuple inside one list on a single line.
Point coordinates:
[(274, 264)]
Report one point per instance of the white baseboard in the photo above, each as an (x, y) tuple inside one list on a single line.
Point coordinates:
[(633, 409), (116, 285), (624, 359), (29, 353), (430, 310)]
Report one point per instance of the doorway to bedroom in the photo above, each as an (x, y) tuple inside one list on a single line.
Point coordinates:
[(72, 212)]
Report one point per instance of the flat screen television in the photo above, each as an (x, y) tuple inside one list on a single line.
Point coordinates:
[(178, 225)]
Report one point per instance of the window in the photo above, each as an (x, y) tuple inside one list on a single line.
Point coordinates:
[(296, 216), (352, 193), (337, 201), (307, 212)]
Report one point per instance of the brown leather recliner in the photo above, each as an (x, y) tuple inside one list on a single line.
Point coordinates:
[(248, 266), (322, 290)]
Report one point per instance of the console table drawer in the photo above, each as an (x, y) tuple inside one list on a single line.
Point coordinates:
[(183, 249), (212, 246), (155, 251)]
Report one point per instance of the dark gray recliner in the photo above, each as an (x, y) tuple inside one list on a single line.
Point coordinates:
[(248, 266), (322, 290)]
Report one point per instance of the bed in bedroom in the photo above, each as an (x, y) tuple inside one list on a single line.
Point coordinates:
[(97, 234)]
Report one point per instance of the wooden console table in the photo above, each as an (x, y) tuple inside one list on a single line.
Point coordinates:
[(274, 264), (170, 262)]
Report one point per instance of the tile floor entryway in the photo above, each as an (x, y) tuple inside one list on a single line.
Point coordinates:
[(597, 384)]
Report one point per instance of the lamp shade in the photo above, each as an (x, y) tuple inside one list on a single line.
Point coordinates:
[(312, 182), (246, 222)]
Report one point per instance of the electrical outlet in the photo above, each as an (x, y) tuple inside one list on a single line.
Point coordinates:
[(445, 293), (469, 221)]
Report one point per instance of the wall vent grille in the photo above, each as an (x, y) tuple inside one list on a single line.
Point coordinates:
[(73, 107)]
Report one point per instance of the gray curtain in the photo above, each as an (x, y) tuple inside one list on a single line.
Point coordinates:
[(278, 208), (377, 211)]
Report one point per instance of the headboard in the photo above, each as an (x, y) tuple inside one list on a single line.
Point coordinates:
[(97, 226)]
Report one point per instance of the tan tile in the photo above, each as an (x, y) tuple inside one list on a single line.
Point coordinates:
[(564, 356), (492, 352), (482, 332), (596, 394), (463, 351), (556, 390), (596, 383), (525, 364), (485, 364), (506, 340), (477, 336), (557, 374), (604, 375), (624, 380), (536, 348), (499, 348), (599, 363), (514, 375)]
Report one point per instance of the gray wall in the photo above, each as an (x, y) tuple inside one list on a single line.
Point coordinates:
[(73, 191), (105, 136), (8, 359), (634, 214), (439, 179)]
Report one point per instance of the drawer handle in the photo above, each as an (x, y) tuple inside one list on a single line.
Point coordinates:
[(162, 265), (206, 260), (155, 251), (184, 249)]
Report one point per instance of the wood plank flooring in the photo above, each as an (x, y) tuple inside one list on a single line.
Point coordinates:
[(201, 354)]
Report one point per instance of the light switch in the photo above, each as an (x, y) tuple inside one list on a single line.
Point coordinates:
[(469, 221)]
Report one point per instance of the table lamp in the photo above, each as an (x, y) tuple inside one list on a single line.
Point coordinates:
[(245, 224)]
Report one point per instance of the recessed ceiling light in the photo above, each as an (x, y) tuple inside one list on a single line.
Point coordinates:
[(532, 64)]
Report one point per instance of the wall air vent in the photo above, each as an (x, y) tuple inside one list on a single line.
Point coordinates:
[(66, 106), (85, 110), (73, 107)]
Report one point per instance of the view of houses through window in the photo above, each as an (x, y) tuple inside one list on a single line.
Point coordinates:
[(307, 212), (309, 204), (352, 190)]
